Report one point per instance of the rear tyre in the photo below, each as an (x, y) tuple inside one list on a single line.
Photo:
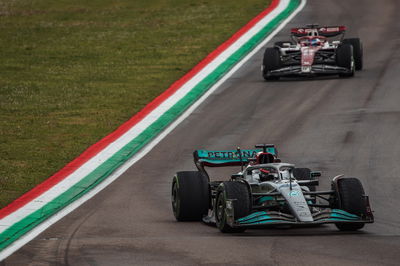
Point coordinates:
[(351, 199), (357, 51), (190, 196), (304, 174), (271, 61), (239, 193), (344, 58)]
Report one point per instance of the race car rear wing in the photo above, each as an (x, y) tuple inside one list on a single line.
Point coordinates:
[(223, 158), (229, 157), (326, 31)]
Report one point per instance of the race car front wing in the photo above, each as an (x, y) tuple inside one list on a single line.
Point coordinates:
[(310, 70), (273, 218)]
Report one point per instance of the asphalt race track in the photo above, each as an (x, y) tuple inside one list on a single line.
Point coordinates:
[(349, 126)]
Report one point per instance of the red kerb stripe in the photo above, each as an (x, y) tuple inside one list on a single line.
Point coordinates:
[(99, 146)]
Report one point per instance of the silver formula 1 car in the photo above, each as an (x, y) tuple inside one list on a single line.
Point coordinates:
[(265, 193), (311, 52)]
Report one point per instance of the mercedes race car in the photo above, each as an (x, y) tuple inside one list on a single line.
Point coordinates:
[(312, 53), (265, 193)]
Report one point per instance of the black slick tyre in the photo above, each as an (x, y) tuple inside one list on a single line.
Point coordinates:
[(344, 58), (358, 52), (190, 196), (239, 193), (351, 199), (304, 174), (271, 61)]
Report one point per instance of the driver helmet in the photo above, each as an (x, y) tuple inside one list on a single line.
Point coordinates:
[(315, 42), (266, 175)]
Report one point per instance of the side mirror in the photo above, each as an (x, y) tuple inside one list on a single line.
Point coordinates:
[(315, 174)]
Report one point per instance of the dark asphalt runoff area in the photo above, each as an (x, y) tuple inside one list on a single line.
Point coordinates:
[(349, 126)]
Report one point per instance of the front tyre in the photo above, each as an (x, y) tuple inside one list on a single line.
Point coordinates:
[(351, 199), (271, 61), (345, 59), (190, 196), (239, 193), (357, 51)]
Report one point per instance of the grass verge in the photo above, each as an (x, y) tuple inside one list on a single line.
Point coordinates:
[(73, 71)]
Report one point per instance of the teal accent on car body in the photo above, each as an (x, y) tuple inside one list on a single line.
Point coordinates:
[(229, 156), (344, 213), (250, 216), (294, 193), (264, 199), (335, 220), (263, 217), (256, 219)]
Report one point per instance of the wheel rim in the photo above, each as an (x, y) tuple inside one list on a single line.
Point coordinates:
[(220, 210), (175, 200)]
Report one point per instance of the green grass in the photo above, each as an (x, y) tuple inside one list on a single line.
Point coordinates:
[(72, 71)]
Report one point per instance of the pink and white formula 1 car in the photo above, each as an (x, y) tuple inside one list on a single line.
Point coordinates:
[(311, 53)]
